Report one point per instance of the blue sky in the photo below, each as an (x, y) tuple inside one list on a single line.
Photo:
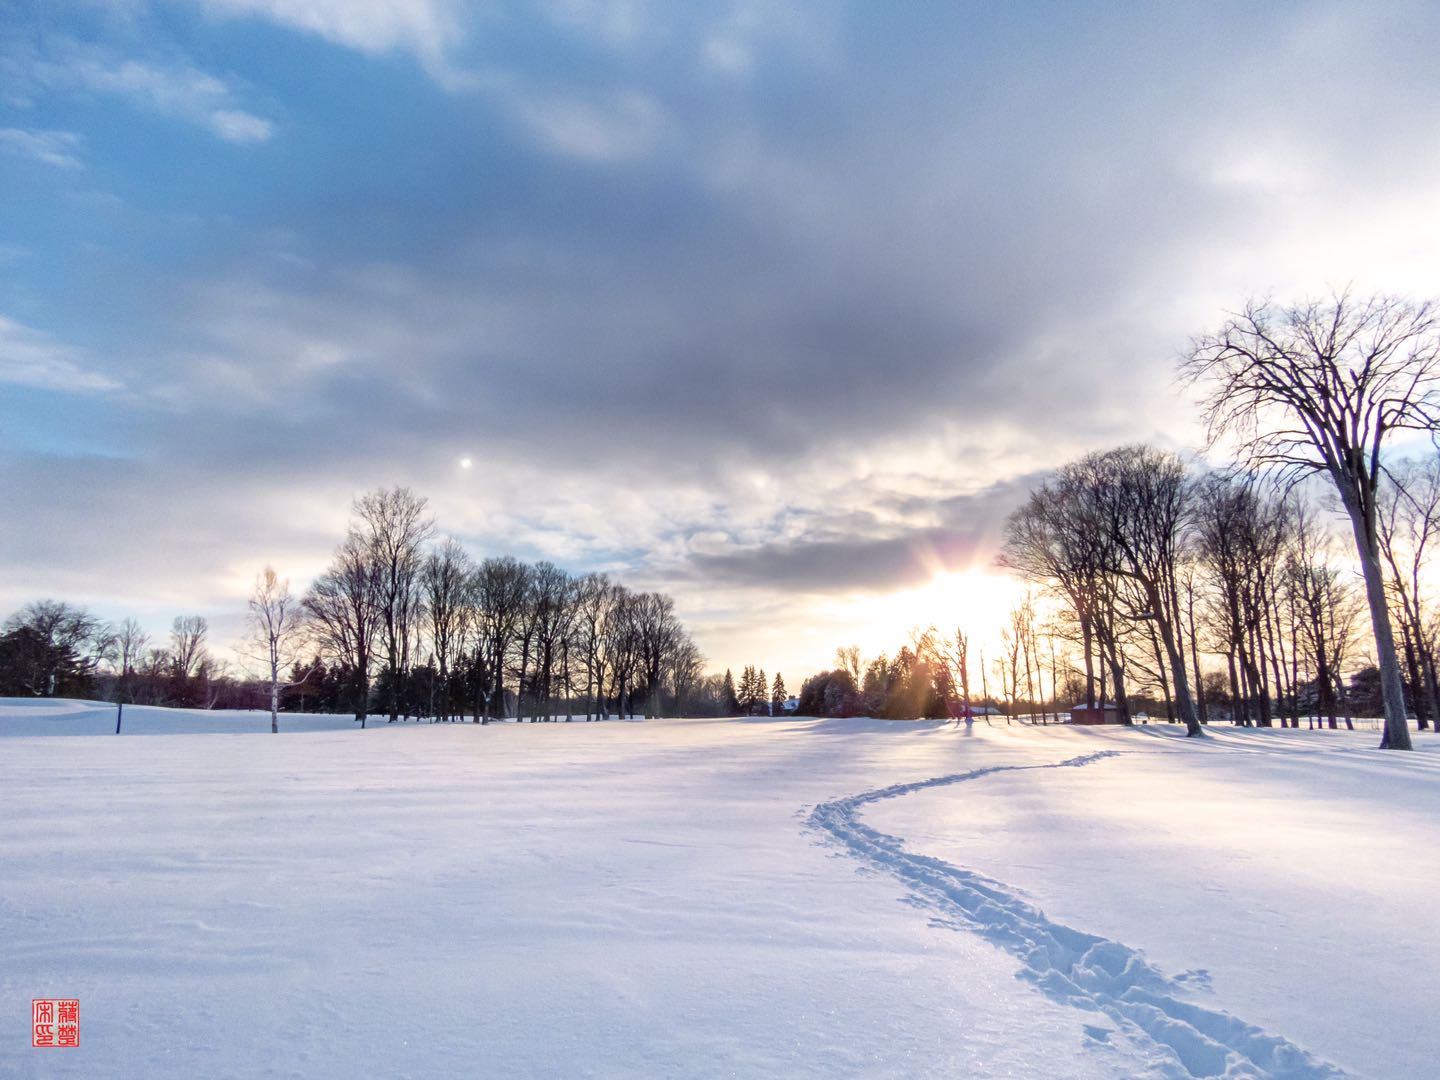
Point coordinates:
[(776, 307)]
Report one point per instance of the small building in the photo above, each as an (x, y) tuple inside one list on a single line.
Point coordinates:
[(1105, 713), (790, 705)]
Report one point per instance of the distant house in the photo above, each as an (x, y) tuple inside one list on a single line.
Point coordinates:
[(1106, 713), (790, 705), (958, 710)]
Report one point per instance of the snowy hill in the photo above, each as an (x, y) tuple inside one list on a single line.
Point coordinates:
[(796, 898)]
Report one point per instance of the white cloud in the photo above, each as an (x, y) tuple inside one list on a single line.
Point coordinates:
[(239, 127), (618, 128), (427, 28), (57, 148), (170, 87), (31, 358)]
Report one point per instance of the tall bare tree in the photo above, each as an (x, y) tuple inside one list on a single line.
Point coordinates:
[(187, 644), (1142, 496), (447, 583), (659, 633), (130, 644), (623, 648), (502, 588), (595, 600), (1320, 386), (393, 525), (344, 612)]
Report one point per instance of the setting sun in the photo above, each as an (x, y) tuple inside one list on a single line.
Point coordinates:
[(974, 600)]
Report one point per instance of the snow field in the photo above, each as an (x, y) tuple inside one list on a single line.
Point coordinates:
[(711, 898)]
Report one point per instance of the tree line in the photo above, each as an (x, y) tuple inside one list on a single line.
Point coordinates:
[(406, 625), (50, 648), (1152, 564), (1161, 575), (400, 623)]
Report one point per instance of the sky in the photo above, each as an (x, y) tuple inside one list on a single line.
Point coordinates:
[(780, 308)]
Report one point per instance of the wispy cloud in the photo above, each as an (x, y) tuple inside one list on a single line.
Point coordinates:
[(429, 29), (168, 86), (58, 148), (619, 127), (29, 357)]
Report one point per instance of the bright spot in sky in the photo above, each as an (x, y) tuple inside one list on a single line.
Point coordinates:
[(973, 600), (465, 463)]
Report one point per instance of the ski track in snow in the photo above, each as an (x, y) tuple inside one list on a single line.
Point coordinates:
[(1070, 966)]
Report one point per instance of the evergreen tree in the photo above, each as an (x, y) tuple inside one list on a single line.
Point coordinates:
[(730, 702), (762, 692), (778, 696)]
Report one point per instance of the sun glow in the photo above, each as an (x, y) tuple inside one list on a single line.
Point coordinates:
[(972, 600)]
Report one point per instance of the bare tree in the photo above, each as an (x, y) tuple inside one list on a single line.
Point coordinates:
[(623, 647), (447, 583), (276, 632), (553, 592), (187, 644), (687, 666), (1409, 521), (1142, 496), (1325, 606), (393, 526), (343, 610), (595, 600), (659, 632), (1240, 535), (1320, 386), (130, 644), (501, 589), (1058, 539)]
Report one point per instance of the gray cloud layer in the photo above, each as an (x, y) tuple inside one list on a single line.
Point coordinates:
[(778, 302)]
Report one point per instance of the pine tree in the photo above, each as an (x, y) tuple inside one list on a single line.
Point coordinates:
[(748, 690), (762, 691), (778, 696), (731, 703)]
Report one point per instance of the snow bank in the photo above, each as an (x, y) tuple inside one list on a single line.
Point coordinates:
[(64, 716)]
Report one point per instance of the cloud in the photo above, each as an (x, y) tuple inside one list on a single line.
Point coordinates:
[(866, 537), (752, 311), (615, 128), (31, 358), (239, 127), (169, 86), (58, 148), (429, 29)]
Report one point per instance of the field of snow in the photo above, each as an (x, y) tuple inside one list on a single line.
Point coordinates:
[(793, 898)]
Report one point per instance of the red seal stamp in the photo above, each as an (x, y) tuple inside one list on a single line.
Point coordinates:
[(55, 1022)]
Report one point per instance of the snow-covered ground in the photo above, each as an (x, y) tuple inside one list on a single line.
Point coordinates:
[(62, 716), (713, 898)]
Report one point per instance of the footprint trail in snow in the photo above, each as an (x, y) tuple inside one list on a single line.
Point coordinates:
[(1070, 966)]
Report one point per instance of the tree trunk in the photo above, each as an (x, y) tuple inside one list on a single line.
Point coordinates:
[(1392, 686), (1087, 632), (1200, 702)]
